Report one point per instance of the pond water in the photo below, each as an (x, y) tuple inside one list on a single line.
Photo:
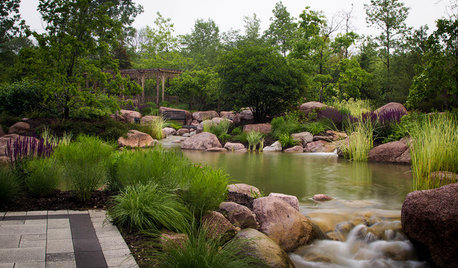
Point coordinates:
[(363, 220)]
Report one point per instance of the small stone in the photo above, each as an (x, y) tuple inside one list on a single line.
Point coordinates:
[(322, 197)]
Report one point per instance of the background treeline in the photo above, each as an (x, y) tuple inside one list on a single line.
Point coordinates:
[(310, 57)]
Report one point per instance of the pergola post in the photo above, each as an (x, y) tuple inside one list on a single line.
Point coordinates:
[(163, 86), (157, 91), (143, 87)]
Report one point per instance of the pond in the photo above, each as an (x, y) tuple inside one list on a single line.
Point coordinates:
[(363, 220)]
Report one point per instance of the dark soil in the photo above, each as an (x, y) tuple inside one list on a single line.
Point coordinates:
[(57, 201), (142, 248)]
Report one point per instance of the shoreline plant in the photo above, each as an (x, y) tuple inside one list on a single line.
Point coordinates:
[(433, 148), (254, 138), (360, 142)]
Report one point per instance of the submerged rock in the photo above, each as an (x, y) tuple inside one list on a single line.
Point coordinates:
[(201, 141), (217, 149), (264, 248), (135, 139), (322, 197), (444, 177), (430, 220), (238, 215), (282, 223)]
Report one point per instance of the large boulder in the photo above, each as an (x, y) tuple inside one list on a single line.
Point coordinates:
[(242, 194), (262, 247), (392, 152), (392, 106), (167, 131), (320, 146), (303, 137), (218, 120), (295, 149), (234, 146), (128, 116), (228, 115), (274, 147), (136, 138), (264, 128), (290, 199), (245, 115), (20, 128), (217, 226), (311, 106), (201, 141), (182, 131), (238, 215), (430, 220), (204, 115), (148, 119), (188, 114), (282, 223)]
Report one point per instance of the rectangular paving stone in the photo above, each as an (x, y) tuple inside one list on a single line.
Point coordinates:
[(111, 243), (15, 213), (36, 221), (23, 229), (59, 246), (37, 213), (12, 222), (107, 234), (106, 228), (116, 253), (123, 262), (61, 264), (9, 241), (58, 223), (84, 245), (97, 213), (6, 265), (77, 212), (60, 257), (2, 214), (9, 255), (59, 234), (30, 265), (58, 212), (33, 237), (32, 243), (90, 259)]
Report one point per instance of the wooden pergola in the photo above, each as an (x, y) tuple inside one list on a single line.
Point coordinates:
[(159, 74)]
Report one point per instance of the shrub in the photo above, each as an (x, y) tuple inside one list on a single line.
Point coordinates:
[(166, 168), (43, 176), (200, 250), (147, 207), (360, 141), (204, 189), (285, 126), (236, 131), (254, 138), (316, 127), (434, 148), (20, 98), (355, 107), (401, 129), (9, 184), (173, 125), (220, 129), (286, 141), (84, 163)]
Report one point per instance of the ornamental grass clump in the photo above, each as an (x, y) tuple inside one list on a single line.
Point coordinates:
[(157, 124), (9, 184), (434, 148), (43, 175), (164, 167), (355, 107), (254, 138), (85, 164), (287, 141), (199, 249), (360, 141), (148, 207), (285, 125)]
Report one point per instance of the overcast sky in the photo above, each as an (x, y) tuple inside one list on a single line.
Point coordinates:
[(228, 14)]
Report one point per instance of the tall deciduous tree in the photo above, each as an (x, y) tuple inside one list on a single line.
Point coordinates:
[(203, 42), (388, 16), (77, 46), (259, 77), (281, 29)]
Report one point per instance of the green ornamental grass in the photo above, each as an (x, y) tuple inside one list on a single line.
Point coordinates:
[(157, 124), (360, 142), (9, 185), (434, 147), (148, 207), (43, 175), (84, 163), (254, 138)]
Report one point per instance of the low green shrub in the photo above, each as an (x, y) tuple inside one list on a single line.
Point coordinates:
[(285, 125), (9, 185), (224, 137), (236, 131), (85, 164), (360, 142), (204, 189), (434, 148), (149, 208), (172, 125), (43, 176), (200, 250), (220, 129), (315, 127), (164, 167), (254, 138), (20, 98), (287, 141)]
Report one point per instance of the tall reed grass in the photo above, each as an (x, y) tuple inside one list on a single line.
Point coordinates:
[(434, 147), (9, 184), (85, 164), (360, 141), (355, 107), (157, 124), (148, 207), (43, 175)]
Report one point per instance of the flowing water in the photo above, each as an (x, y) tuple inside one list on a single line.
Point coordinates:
[(359, 228)]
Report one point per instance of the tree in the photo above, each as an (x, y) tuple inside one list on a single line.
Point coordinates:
[(435, 85), (351, 79), (202, 43), (389, 16), (281, 29), (77, 46), (257, 76), (252, 27)]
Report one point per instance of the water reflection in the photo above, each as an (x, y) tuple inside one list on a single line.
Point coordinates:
[(304, 175)]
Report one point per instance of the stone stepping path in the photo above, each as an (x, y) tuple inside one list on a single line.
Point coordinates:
[(62, 238)]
